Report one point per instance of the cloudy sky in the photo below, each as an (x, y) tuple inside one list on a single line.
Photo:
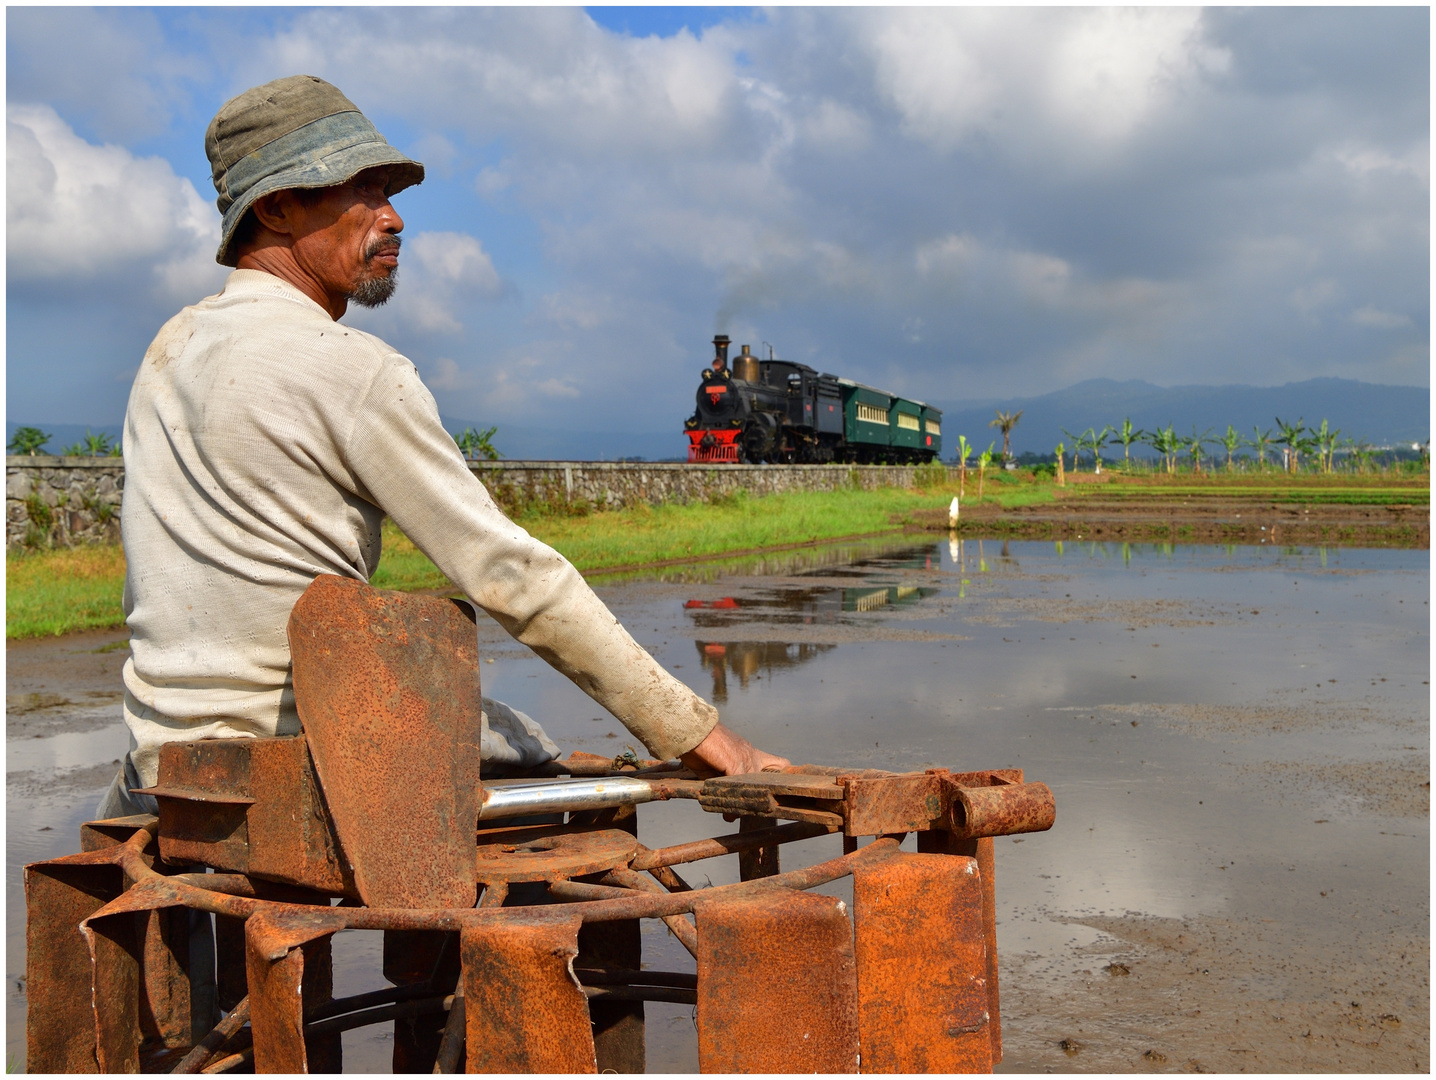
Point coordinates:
[(957, 204)]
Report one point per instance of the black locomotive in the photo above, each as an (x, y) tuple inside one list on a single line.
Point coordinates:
[(779, 411)]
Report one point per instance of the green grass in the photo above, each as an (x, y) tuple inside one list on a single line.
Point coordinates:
[(646, 535), (56, 592), (59, 591)]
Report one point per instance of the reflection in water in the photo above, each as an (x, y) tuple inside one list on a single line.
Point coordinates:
[(803, 606), (749, 658)]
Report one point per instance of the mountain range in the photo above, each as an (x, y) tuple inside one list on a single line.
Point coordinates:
[(1381, 415)]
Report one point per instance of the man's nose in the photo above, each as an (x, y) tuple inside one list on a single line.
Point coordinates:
[(388, 220)]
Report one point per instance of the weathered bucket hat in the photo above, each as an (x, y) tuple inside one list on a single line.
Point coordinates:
[(296, 132)]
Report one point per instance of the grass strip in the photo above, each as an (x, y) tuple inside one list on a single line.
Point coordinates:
[(662, 535), (56, 592), (68, 589)]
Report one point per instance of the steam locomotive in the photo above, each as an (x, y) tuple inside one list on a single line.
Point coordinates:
[(777, 411)]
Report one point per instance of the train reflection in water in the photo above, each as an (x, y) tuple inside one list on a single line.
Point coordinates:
[(747, 659)]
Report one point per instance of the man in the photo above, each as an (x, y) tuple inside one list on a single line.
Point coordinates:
[(265, 441)]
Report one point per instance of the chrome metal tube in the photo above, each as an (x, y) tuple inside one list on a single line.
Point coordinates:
[(503, 800)]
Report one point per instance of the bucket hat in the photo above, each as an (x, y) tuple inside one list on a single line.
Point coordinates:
[(296, 132)]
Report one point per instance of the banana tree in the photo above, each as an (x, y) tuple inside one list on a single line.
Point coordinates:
[(1061, 478), (1095, 441), (478, 444), (1231, 440), (982, 463), (963, 450), (28, 441), (1165, 442), (1291, 438), (1259, 442), (1325, 439), (1078, 442), (1193, 445), (1127, 435)]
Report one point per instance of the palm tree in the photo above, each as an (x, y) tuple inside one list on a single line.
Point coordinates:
[(1290, 437), (1005, 422), (28, 441), (1259, 441), (1231, 440), (1127, 435)]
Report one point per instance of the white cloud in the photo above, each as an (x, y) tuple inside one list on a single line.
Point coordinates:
[(447, 272), (77, 210), (1372, 316), (1072, 76), (557, 388)]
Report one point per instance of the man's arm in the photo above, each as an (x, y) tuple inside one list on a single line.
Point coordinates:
[(409, 465)]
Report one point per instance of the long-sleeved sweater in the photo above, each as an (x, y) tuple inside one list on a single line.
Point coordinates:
[(264, 443)]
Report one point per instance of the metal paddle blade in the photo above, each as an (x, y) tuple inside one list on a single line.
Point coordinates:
[(387, 687)]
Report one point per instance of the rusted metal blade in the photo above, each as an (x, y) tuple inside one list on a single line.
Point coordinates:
[(777, 984), (288, 966), (60, 1027), (979, 848), (524, 1010), (922, 965), (387, 687)]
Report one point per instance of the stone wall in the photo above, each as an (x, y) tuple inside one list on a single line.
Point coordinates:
[(59, 501)]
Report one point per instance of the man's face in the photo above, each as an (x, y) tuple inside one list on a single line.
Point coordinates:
[(348, 239)]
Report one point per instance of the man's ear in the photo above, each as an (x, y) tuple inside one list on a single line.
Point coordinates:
[(275, 212)]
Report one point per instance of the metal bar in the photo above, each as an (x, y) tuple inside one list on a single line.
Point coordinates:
[(612, 977), (502, 800), (417, 1007), (678, 925), (760, 861), (233, 1061), (677, 995), (647, 859), (199, 1057)]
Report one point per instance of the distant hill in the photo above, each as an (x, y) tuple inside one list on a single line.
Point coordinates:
[(1381, 415)]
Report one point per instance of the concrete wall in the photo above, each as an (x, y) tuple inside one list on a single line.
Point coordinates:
[(80, 497)]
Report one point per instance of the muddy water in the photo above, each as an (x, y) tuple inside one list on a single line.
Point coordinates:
[(1238, 739)]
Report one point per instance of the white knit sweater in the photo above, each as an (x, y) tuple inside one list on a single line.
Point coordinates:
[(264, 443)]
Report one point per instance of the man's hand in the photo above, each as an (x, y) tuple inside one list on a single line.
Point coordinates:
[(726, 753)]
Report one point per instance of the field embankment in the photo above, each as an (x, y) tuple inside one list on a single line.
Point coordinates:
[(63, 590), (1354, 511), (59, 591)]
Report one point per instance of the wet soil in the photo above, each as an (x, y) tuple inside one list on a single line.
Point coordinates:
[(1207, 520), (1239, 878)]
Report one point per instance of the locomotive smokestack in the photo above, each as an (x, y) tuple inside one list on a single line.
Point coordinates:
[(720, 348)]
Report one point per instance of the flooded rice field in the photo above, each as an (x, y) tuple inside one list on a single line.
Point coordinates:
[(1238, 739)]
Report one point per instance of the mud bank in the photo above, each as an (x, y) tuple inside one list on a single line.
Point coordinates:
[(1208, 521)]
